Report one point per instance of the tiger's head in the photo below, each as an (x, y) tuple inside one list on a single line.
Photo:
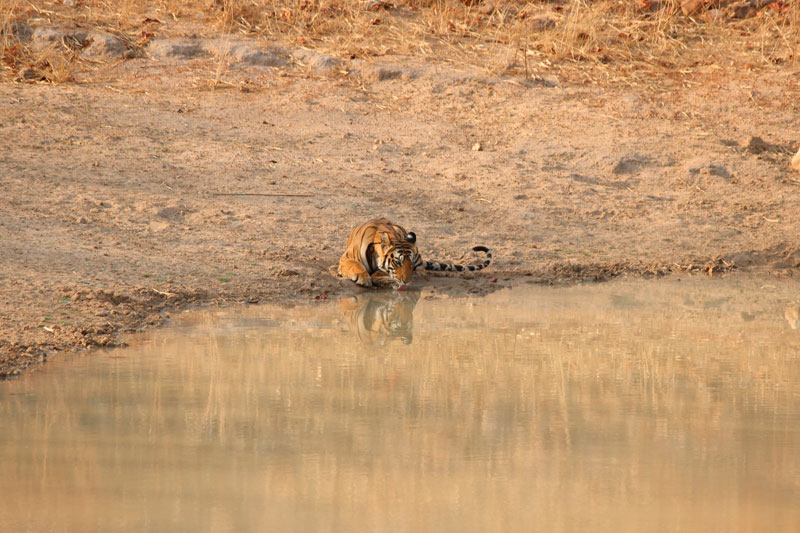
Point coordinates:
[(400, 258)]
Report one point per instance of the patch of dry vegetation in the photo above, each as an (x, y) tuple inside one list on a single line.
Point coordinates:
[(605, 40)]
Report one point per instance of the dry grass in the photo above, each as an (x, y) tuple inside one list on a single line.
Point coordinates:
[(611, 39), (9, 43)]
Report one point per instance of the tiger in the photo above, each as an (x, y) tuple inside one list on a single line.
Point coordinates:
[(378, 251)]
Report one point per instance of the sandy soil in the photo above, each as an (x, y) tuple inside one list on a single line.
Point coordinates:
[(139, 190)]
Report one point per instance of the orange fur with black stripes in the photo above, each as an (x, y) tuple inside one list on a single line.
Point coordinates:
[(379, 251)]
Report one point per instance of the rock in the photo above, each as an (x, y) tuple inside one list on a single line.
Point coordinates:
[(694, 7), (477, 147), (701, 166), (796, 161), (742, 259), (251, 55), (541, 81), (386, 73), (630, 165), (722, 172), (756, 145), (184, 49), (741, 10), (317, 62), (172, 213), (45, 36), (103, 44), (29, 74)]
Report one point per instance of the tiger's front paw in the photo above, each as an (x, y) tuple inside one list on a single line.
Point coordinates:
[(364, 280)]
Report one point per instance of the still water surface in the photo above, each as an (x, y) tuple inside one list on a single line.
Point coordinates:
[(630, 406)]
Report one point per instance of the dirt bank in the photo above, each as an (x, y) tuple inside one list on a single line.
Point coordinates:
[(139, 189)]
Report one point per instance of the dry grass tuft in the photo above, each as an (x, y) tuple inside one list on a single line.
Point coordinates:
[(56, 62), (10, 47), (600, 39)]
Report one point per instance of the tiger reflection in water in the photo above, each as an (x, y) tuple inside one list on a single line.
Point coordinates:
[(381, 316)]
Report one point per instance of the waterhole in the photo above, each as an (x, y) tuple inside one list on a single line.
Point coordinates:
[(625, 406)]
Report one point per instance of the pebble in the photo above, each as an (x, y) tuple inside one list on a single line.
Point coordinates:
[(477, 147)]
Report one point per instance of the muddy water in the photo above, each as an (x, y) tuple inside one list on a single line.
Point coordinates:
[(647, 406)]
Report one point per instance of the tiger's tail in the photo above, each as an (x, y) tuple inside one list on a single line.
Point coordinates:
[(450, 267)]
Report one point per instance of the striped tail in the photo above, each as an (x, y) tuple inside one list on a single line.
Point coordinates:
[(450, 267)]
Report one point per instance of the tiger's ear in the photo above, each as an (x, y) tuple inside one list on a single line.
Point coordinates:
[(385, 239), (411, 237)]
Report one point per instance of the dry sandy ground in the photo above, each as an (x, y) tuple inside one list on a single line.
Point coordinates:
[(139, 189)]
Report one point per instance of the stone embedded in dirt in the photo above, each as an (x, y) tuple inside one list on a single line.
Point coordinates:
[(721, 172), (702, 166), (172, 213), (103, 44), (729, 8), (379, 73), (796, 161), (251, 55), (757, 145), (541, 81), (630, 165), (743, 259), (317, 62), (477, 147), (45, 36), (185, 49), (40, 39), (741, 10)]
